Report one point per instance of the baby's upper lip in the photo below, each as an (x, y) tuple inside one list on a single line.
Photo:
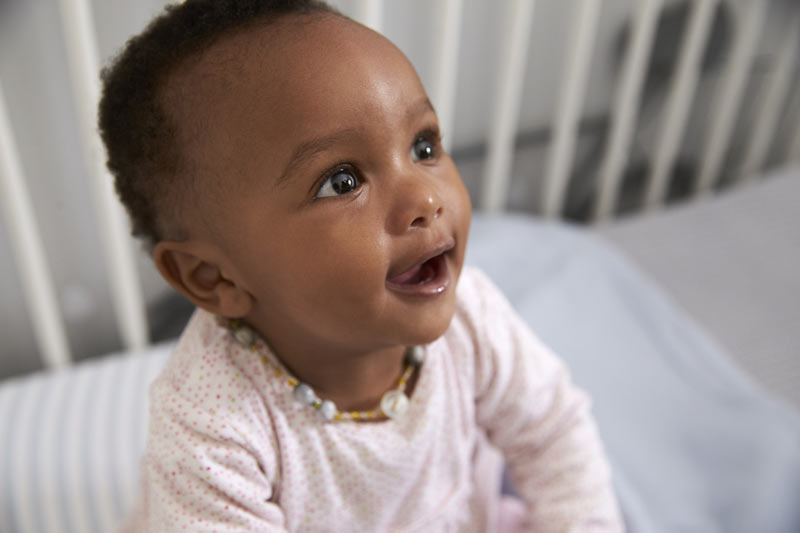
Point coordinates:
[(442, 246)]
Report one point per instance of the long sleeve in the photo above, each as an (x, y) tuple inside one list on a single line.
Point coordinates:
[(210, 463), (540, 421), (198, 480)]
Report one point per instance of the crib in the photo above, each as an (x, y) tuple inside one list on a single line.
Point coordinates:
[(646, 152)]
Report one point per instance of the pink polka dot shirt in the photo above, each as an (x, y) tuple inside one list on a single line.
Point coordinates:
[(230, 449)]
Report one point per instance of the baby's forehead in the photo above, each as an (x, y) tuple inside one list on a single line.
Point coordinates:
[(287, 51), (249, 104), (299, 61)]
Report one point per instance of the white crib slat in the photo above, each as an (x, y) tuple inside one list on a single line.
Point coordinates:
[(445, 66), (369, 13), (770, 108), (507, 103), (570, 103), (791, 152), (626, 105), (732, 88), (126, 293), (794, 147), (28, 250), (679, 100)]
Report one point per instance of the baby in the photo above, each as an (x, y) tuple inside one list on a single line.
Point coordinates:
[(343, 372)]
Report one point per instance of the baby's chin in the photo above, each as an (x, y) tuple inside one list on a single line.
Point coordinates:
[(429, 328)]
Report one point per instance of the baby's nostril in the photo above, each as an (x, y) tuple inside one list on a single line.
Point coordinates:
[(417, 222)]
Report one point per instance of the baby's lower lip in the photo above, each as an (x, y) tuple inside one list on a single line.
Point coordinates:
[(428, 279)]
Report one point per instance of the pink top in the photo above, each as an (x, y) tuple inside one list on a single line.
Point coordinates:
[(230, 449)]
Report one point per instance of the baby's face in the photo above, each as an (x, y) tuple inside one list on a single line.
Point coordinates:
[(338, 211)]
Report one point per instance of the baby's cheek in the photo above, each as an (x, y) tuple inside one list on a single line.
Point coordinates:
[(459, 197)]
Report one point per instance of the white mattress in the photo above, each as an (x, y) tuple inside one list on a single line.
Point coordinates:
[(732, 262)]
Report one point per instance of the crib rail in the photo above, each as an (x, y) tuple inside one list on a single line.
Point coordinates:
[(626, 103), (676, 110), (771, 105), (518, 17), (573, 83), (28, 250), (506, 105), (118, 248), (731, 95)]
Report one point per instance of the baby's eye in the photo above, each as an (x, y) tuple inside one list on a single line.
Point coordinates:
[(342, 181), (422, 149)]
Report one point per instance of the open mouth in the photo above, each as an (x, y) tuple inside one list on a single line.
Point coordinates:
[(431, 276)]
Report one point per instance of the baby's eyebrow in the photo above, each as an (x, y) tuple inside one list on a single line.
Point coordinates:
[(309, 149), (423, 106)]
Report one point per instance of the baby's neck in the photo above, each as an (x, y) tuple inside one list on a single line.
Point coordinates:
[(352, 382)]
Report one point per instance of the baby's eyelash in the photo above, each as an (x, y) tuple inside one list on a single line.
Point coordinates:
[(430, 134), (332, 171), (427, 146)]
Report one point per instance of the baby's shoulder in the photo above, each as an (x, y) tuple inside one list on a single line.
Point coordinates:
[(478, 301), (206, 413), (208, 377), (471, 281), (486, 316), (476, 291), (202, 357), (480, 307)]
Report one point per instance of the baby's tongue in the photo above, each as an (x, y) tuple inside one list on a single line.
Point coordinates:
[(411, 277)]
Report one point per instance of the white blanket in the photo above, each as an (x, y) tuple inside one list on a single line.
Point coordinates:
[(694, 445), (733, 262)]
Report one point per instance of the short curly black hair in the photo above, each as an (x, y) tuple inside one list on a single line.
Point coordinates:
[(139, 136)]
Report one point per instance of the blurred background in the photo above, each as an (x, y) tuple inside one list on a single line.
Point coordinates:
[(39, 94)]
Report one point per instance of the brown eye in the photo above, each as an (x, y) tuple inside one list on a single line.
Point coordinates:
[(341, 182), (422, 149)]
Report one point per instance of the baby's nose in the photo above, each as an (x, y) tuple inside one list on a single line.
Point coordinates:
[(430, 211), (417, 204)]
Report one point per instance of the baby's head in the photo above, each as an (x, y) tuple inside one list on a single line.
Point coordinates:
[(284, 164)]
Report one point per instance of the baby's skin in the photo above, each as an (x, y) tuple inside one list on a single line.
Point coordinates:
[(327, 216)]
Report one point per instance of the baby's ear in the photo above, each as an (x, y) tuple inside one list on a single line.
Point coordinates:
[(193, 269)]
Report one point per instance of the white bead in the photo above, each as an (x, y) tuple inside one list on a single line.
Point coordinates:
[(244, 336), (416, 354), (394, 403), (304, 394), (327, 410)]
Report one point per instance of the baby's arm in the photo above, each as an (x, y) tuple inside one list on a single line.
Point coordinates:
[(541, 423), (201, 472)]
